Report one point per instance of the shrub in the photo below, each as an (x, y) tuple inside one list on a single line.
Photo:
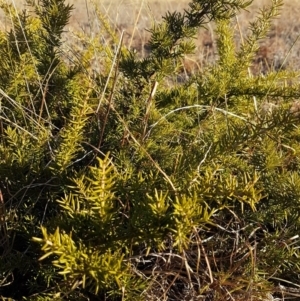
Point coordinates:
[(127, 184)]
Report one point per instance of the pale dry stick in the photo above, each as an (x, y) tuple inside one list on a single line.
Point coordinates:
[(5, 281), (226, 117), (171, 272), (19, 127), (289, 291), (148, 107), (115, 62), (229, 294), (12, 117), (64, 295), (205, 156), (110, 99), (155, 289), (16, 104), (188, 269), (153, 280), (289, 282), (107, 8), (204, 107), (80, 159), (135, 23), (252, 251), (43, 103), (173, 280), (200, 243), (199, 165), (207, 263)]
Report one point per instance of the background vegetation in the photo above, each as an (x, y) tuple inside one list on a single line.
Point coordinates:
[(134, 16), (140, 168)]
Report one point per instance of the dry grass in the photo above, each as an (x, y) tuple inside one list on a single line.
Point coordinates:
[(134, 16)]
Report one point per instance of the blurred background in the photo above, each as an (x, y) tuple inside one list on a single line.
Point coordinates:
[(279, 50)]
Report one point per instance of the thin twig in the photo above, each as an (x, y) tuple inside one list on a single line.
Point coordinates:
[(115, 62), (112, 91)]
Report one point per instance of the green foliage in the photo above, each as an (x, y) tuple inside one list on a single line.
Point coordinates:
[(116, 185)]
